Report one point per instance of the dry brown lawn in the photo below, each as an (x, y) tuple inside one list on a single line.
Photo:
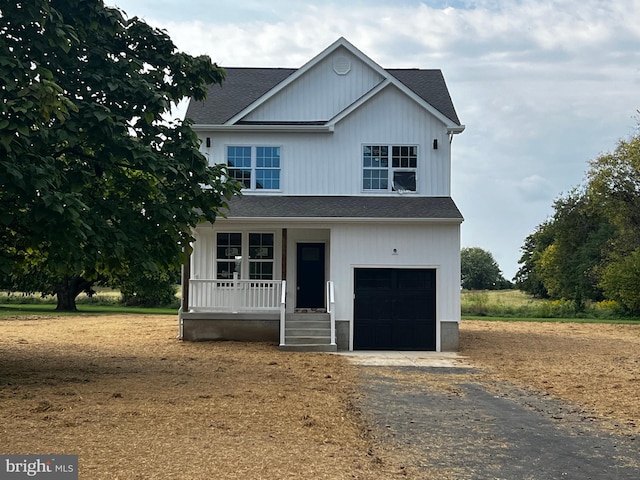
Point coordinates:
[(597, 366), (135, 403)]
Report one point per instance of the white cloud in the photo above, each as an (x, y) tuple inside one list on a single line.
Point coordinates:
[(542, 85), (536, 188)]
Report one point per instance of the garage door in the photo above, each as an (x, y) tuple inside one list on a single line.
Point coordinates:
[(395, 309)]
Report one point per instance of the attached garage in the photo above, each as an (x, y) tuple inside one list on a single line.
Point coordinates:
[(394, 309)]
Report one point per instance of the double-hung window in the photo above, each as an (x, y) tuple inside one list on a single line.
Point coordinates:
[(228, 247), (261, 256), (230, 255), (389, 168), (256, 167)]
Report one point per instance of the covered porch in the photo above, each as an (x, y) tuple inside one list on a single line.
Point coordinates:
[(299, 270), (299, 314)]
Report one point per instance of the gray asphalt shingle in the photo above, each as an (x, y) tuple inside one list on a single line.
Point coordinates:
[(398, 207), (243, 86)]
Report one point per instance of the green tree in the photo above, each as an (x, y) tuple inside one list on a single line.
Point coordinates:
[(94, 181), (589, 249), (528, 278), (568, 266), (620, 280), (614, 182), (480, 271)]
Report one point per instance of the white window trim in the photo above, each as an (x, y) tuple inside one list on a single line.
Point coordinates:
[(254, 162), (244, 245), (390, 168)]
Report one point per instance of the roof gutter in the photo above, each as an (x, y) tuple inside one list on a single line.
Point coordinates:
[(265, 128), (325, 220), (451, 131)]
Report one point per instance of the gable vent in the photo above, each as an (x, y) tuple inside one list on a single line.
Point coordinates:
[(341, 65)]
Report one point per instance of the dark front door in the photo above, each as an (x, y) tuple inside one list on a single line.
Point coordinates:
[(394, 309), (310, 276)]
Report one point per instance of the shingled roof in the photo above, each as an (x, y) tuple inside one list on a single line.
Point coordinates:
[(352, 207), (243, 86)]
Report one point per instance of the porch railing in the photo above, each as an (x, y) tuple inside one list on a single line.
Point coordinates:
[(331, 309), (283, 312), (235, 296)]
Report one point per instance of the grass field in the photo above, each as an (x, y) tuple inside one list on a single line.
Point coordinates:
[(514, 304), (509, 305), (105, 301)]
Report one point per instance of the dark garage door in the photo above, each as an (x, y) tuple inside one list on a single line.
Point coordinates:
[(395, 309)]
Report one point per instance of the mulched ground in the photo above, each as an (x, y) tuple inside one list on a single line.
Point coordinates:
[(135, 403)]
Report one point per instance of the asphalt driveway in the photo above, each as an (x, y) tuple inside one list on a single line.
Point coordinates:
[(451, 421)]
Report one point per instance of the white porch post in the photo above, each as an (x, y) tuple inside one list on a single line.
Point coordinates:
[(283, 309)]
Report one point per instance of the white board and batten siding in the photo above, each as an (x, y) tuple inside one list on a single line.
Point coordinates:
[(320, 93), (330, 163), (416, 246), (355, 245)]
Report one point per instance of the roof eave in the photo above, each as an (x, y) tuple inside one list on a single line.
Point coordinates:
[(230, 218), (456, 129), (264, 128)]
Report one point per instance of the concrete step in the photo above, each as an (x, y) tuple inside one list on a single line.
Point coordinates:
[(307, 340), (307, 317), (309, 348), (307, 324), (307, 332)]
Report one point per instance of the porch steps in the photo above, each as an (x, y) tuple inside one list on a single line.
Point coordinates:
[(308, 332)]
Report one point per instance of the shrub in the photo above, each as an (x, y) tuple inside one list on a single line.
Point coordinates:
[(149, 290)]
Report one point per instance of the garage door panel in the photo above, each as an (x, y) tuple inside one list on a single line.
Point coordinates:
[(394, 309)]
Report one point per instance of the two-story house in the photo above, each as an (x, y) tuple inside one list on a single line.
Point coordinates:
[(346, 235)]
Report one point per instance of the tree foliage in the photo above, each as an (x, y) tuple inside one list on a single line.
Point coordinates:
[(589, 249), (94, 182), (529, 276), (480, 271)]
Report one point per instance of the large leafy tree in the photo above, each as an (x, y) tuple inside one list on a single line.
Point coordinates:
[(590, 248), (95, 182), (614, 181), (568, 266), (480, 271)]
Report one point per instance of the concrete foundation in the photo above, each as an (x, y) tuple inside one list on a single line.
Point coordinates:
[(239, 327), (342, 335), (449, 336)]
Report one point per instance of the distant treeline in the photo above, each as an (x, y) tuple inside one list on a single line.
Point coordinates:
[(589, 250)]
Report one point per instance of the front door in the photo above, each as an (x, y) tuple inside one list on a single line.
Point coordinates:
[(310, 276)]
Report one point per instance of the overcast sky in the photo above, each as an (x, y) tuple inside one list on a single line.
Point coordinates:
[(542, 86)]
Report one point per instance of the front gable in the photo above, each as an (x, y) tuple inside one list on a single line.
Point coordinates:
[(324, 91), (319, 93)]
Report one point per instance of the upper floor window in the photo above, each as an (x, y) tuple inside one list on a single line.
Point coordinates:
[(389, 167), (255, 167)]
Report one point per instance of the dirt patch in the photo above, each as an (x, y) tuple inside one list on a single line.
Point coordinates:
[(596, 366), (133, 402)]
